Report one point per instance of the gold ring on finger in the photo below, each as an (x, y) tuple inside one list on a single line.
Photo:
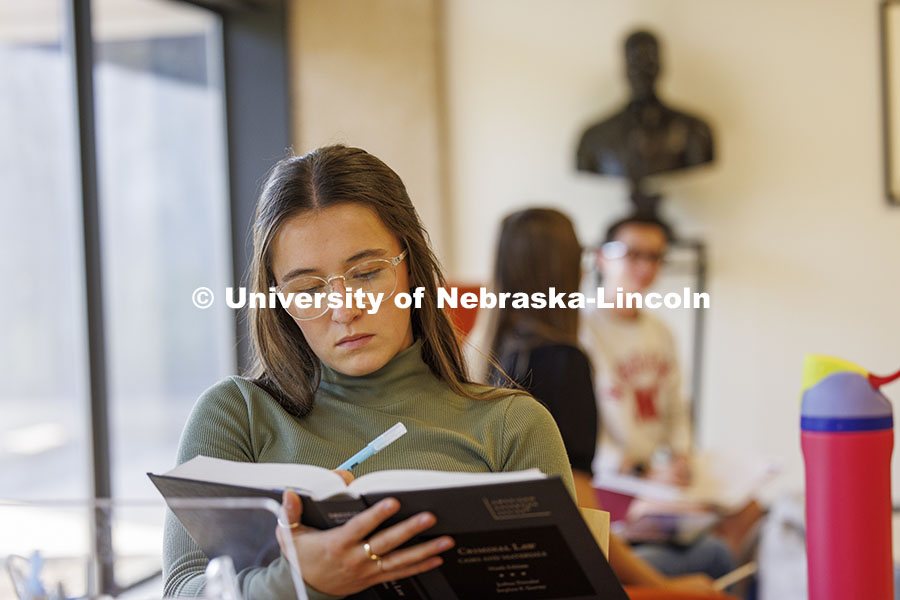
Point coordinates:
[(291, 525), (370, 554)]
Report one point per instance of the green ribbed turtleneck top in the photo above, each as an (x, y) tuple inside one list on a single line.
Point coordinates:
[(237, 420)]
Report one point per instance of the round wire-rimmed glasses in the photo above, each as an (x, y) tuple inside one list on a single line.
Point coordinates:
[(306, 297)]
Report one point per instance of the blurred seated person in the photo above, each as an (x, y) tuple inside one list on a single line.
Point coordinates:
[(638, 383), (646, 426), (539, 350)]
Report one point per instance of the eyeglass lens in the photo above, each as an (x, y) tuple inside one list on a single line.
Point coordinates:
[(377, 276)]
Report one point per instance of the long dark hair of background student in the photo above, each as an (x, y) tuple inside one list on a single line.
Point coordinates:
[(537, 250), (538, 348)]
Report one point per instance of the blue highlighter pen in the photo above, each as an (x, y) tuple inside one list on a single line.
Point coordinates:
[(375, 446)]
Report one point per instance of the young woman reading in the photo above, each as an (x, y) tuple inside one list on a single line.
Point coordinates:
[(326, 382)]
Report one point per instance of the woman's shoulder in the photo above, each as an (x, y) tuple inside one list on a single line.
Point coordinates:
[(227, 420), (235, 393), (504, 402), (232, 387)]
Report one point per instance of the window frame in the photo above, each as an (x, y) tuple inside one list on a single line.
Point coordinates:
[(257, 132)]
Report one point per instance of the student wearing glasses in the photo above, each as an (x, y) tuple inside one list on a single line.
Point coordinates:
[(646, 427), (326, 381), (638, 378)]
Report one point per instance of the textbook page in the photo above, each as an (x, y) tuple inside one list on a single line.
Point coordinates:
[(411, 480), (319, 483), (307, 480)]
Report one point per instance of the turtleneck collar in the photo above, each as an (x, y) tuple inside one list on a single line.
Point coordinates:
[(381, 386)]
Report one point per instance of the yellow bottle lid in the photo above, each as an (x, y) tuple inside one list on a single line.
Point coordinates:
[(817, 367)]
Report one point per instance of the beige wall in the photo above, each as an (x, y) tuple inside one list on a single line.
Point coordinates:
[(805, 252), (366, 74)]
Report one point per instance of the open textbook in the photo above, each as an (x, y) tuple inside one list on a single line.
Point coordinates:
[(318, 483), (722, 480), (518, 534)]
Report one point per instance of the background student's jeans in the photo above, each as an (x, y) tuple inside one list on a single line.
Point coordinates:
[(707, 555)]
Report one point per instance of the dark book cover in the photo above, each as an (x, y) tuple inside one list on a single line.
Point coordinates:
[(247, 535), (524, 540)]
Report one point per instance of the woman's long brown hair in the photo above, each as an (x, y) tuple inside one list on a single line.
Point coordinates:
[(538, 249), (284, 364)]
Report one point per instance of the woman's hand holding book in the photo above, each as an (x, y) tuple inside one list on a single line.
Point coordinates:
[(345, 560)]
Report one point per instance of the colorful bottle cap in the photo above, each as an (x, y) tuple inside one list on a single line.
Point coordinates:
[(845, 401), (817, 367)]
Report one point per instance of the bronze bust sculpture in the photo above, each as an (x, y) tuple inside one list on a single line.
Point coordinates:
[(645, 137)]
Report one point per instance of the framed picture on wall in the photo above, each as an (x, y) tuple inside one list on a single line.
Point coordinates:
[(890, 96)]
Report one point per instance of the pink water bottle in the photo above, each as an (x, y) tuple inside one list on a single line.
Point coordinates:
[(847, 435)]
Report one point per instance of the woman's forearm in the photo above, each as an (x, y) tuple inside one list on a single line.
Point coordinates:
[(630, 568), (584, 489)]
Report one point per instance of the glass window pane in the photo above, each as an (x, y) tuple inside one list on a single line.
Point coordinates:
[(165, 229), (44, 435)]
